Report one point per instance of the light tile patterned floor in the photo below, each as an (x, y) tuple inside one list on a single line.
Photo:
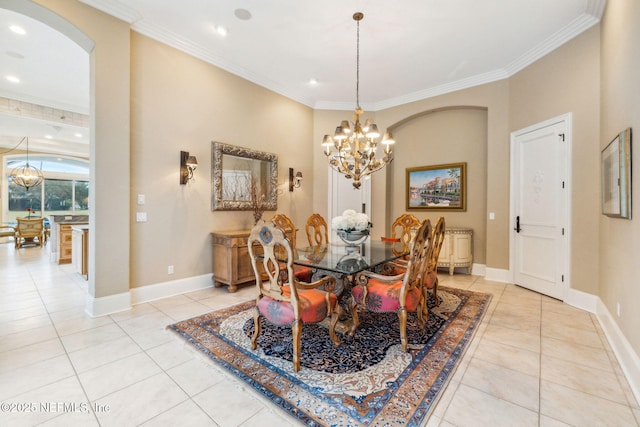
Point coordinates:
[(533, 362)]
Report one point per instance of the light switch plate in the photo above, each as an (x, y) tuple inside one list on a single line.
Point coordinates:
[(141, 217), (141, 199)]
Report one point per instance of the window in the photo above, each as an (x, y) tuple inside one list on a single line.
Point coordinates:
[(65, 190)]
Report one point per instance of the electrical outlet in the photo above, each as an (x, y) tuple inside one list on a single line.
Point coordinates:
[(618, 309), (170, 269)]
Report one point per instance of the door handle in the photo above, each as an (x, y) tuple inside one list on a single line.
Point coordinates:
[(517, 224)]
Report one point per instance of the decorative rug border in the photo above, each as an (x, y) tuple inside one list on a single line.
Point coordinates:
[(400, 408)]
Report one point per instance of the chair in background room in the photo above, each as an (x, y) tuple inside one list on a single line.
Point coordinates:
[(28, 230), (283, 300), (317, 230), (7, 231), (284, 223), (431, 276), (400, 293)]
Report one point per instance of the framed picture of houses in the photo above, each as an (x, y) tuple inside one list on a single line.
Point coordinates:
[(437, 187), (616, 176)]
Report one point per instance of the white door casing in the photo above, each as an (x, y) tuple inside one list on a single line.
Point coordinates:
[(540, 207)]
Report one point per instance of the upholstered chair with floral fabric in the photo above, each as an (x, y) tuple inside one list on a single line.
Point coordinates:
[(283, 301), (401, 293)]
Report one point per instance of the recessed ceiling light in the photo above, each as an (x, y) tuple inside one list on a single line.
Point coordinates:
[(313, 82), (48, 136), (222, 31), (77, 135), (17, 29), (12, 79), (242, 14)]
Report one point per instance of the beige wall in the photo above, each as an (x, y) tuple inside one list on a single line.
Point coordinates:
[(567, 80), (618, 246), (440, 137), (181, 103)]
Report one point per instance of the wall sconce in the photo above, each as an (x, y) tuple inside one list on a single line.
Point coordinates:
[(294, 181), (188, 164)]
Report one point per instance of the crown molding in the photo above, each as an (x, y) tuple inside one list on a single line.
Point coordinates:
[(169, 38), (472, 81), (115, 9), (595, 8), (593, 13), (576, 27)]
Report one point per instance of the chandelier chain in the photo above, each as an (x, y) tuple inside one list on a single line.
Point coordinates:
[(352, 151), (358, 64)]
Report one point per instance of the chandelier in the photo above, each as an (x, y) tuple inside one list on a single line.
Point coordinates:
[(352, 149), (26, 176)]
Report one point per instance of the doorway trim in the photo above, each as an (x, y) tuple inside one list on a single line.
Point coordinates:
[(567, 119)]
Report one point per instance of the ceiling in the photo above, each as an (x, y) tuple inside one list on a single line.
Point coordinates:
[(409, 50)]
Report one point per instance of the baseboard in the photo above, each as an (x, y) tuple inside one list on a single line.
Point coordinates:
[(479, 269), (168, 289), (498, 275), (627, 357), (102, 306), (582, 300)]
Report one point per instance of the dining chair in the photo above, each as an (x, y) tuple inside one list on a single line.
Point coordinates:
[(317, 230), (283, 300), (29, 229), (404, 227), (431, 276), (7, 231), (284, 223), (400, 293), (402, 231)]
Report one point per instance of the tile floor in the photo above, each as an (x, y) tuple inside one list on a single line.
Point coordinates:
[(533, 362)]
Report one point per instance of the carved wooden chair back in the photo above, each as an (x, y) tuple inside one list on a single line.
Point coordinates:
[(317, 230), (284, 223), (281, 299), (273, 273), (419, 256), (403, 228), (431, 275)]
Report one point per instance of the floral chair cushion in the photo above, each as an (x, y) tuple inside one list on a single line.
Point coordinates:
[(384, 296), (312, 301), (302, 273)]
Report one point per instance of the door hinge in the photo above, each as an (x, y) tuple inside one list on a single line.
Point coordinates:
[(563, 231), (561, 135), (562, 184), (563, 278)]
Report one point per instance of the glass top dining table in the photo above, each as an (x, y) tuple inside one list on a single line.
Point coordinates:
[(343, 261)]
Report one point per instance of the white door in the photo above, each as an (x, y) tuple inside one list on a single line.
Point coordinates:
[(540, 190), (343, 196)]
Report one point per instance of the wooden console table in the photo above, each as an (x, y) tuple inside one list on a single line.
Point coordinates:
[(231, 262), (457, 249)]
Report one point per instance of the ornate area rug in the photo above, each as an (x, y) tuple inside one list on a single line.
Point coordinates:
[(366, 381)]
